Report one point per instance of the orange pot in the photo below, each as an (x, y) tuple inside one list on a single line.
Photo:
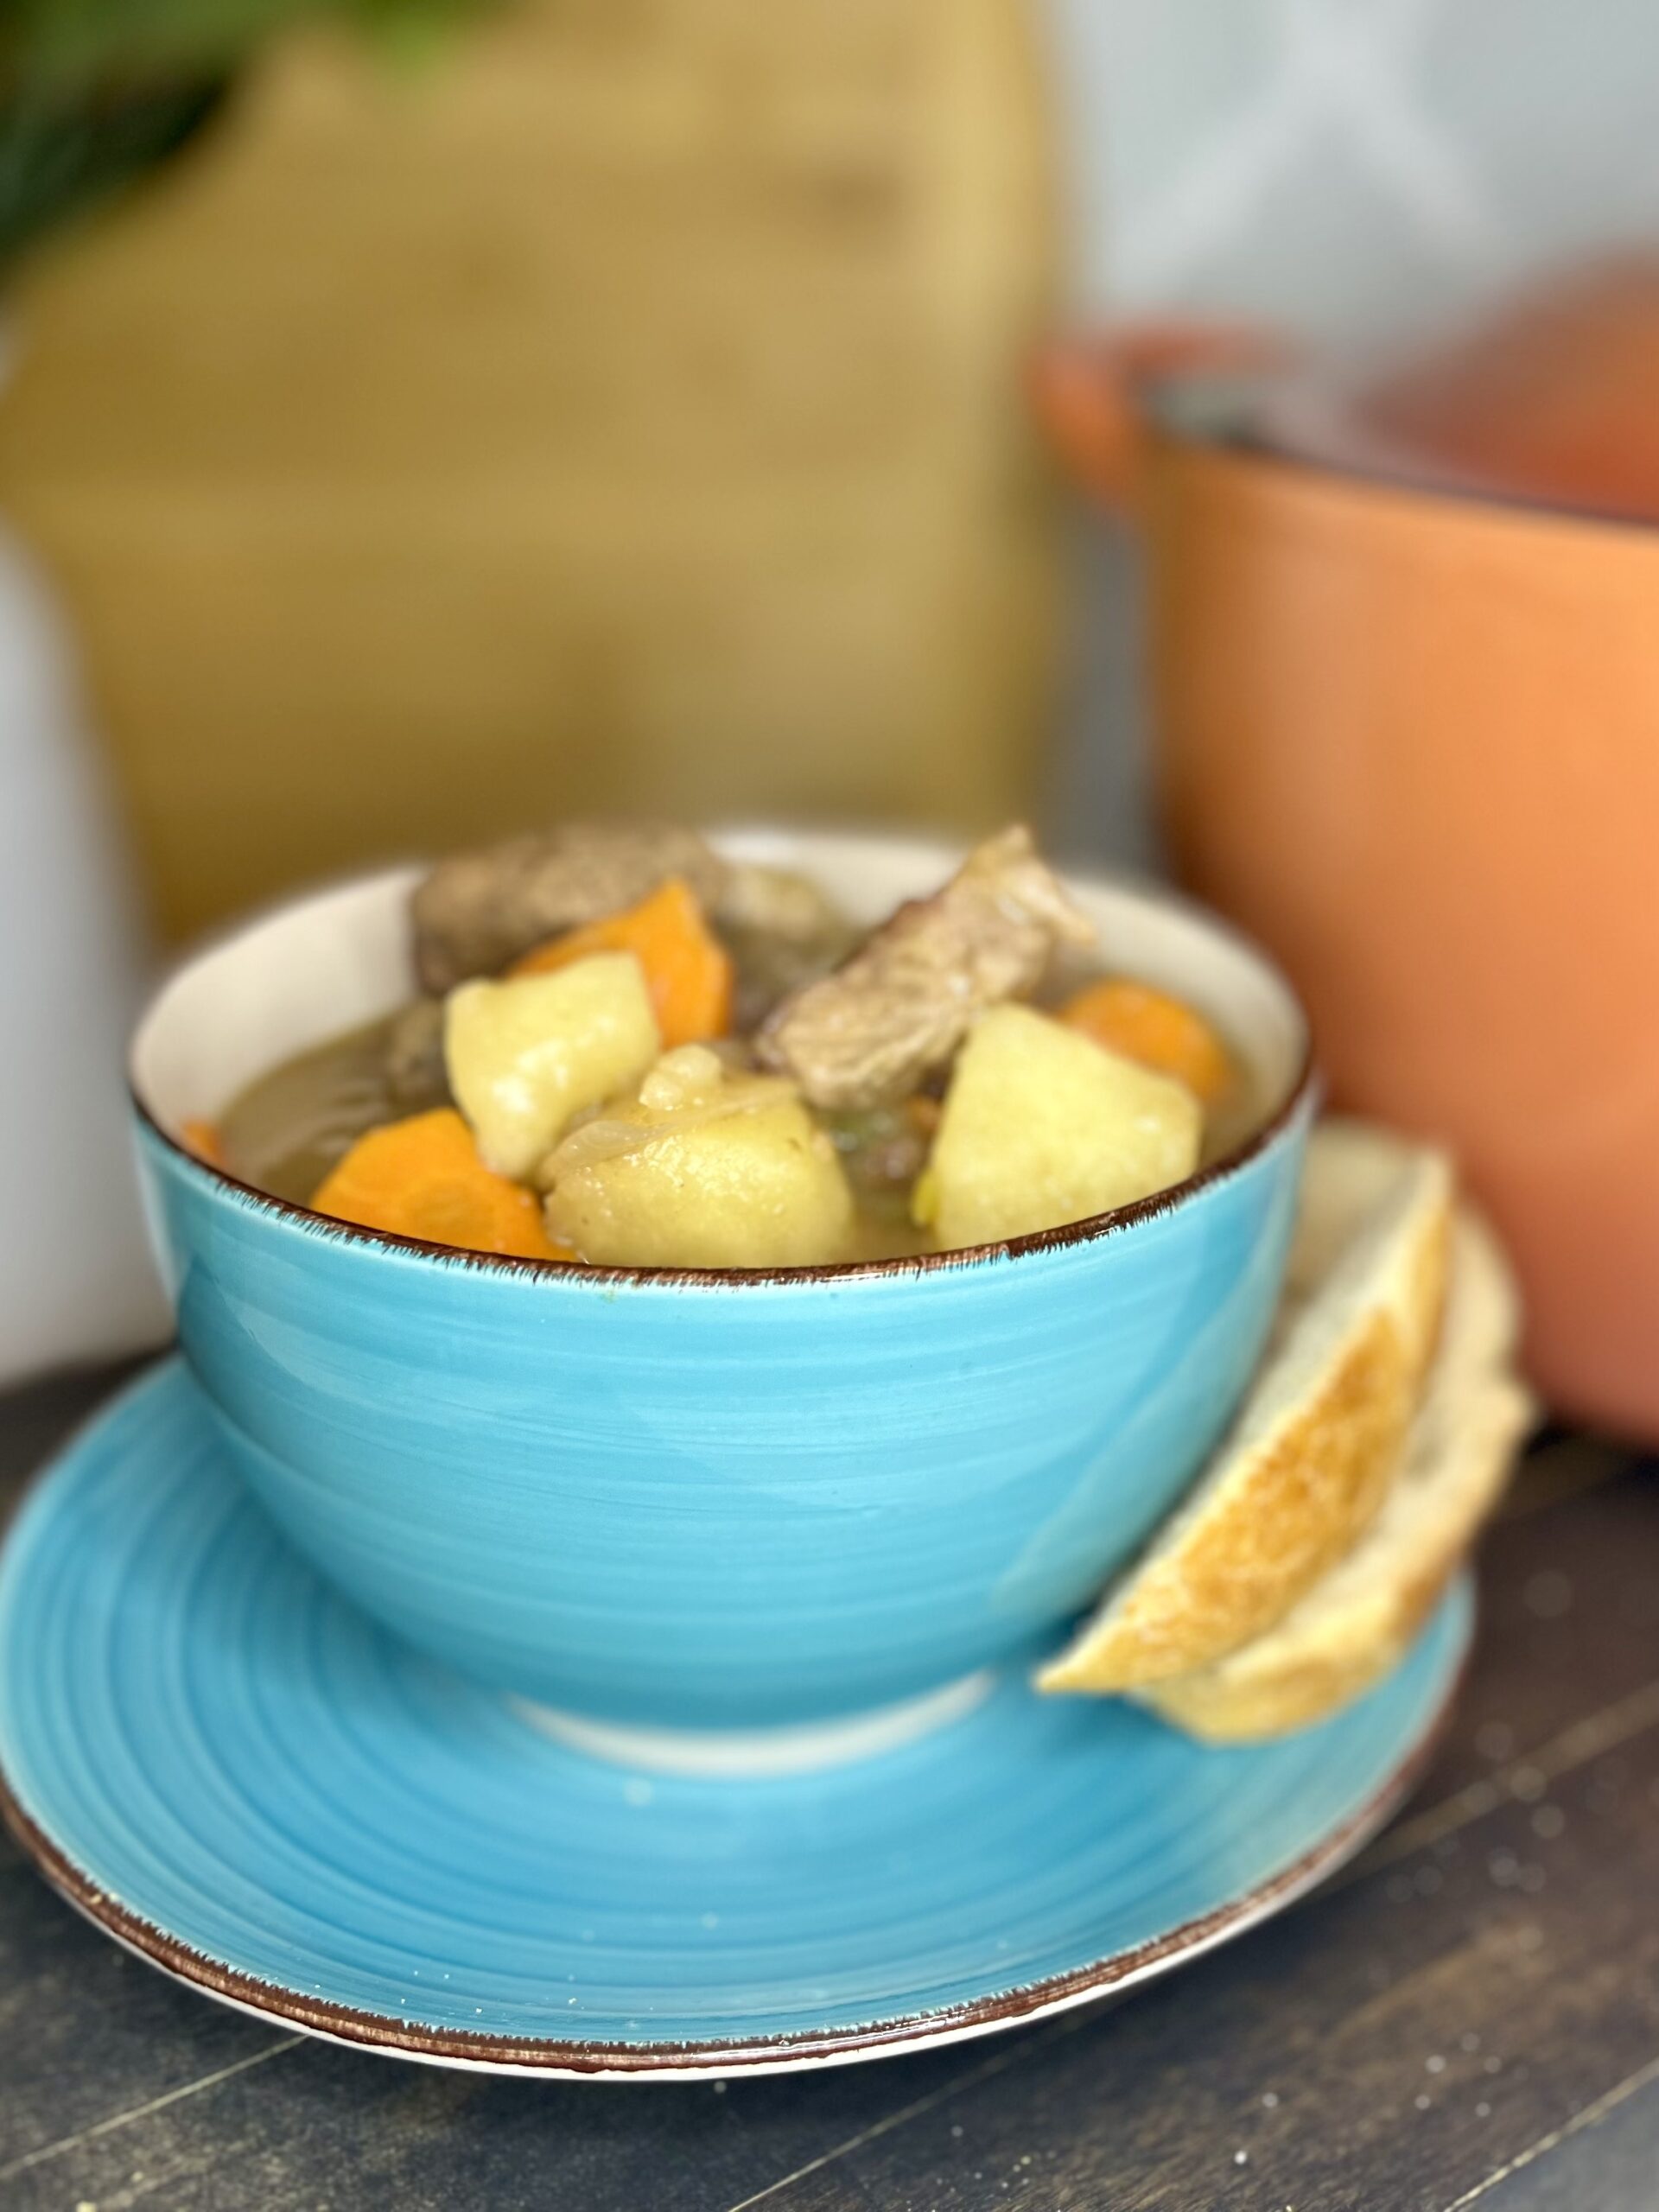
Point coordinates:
[(1409, 737)]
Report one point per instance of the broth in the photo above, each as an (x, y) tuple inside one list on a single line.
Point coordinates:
[(634, 1050), (289, 1127)]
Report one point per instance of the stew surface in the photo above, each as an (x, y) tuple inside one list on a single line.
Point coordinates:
[(632, 1050)]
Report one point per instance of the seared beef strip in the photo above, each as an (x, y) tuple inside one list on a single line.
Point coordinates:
[(869, 1033)]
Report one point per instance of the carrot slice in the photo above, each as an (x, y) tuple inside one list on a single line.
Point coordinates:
[(1159, 1031), (423, 1177), (688, 971), (201, 1139), (923, 1114)]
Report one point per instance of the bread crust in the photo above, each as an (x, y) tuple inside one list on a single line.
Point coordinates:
[(1330, 1650), (1275, 1511)]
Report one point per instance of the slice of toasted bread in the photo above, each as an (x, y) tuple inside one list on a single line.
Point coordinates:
[(1358, 1619), (1311, 1455)]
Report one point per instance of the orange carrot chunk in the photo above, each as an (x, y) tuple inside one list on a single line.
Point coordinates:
[(1158, 1031), (423, 1177), (923, 1114), (688, 971), (202, 1140)]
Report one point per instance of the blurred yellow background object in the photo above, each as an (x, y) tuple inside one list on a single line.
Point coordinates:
[(625, 412)]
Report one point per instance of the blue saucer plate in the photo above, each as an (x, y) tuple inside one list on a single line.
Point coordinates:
[(230, 1771)]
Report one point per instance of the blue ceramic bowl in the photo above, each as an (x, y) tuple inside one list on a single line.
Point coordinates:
[(698, 1501)]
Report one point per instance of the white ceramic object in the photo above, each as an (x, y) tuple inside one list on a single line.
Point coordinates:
[(76, 1280)]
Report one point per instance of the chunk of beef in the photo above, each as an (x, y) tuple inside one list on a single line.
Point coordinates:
[(415, 1075), (782, 930), (478, 911), (778, 902), (870, 1032)]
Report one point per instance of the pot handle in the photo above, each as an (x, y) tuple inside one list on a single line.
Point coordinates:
[(1091, 390)]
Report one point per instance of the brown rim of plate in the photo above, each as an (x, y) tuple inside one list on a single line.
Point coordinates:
[(496, 2053), (915, 1263)]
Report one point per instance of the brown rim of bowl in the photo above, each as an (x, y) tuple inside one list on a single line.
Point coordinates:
[(1087, 1231), (1076, 1985)]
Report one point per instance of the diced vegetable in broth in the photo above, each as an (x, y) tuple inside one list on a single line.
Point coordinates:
[(423, 1177), (526, 1056), (637, 1051), (1155, 1029), (201, 1139), (1041, 1126), (688, 971), (704, 1168)]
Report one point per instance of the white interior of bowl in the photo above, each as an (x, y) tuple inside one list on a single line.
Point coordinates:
[(340, 957)]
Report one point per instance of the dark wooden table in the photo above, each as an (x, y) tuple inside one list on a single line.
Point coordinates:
[(1468, 2015)]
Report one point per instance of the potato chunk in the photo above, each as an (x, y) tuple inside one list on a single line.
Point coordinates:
[(525, 1055), (1042, 1125), (704, 1168)]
